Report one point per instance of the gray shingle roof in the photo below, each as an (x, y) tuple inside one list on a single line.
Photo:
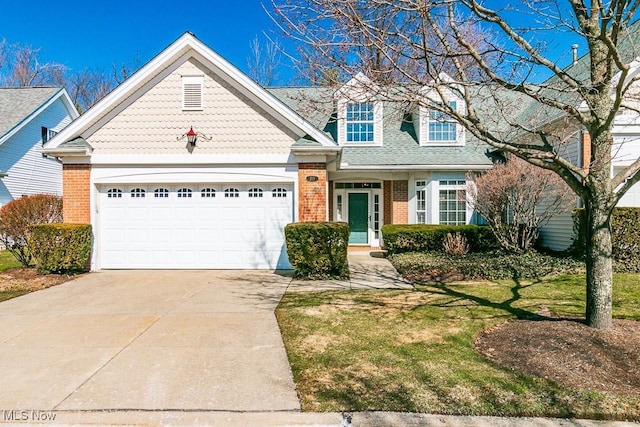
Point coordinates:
[(77, 142), (400, 143), (16, 104)]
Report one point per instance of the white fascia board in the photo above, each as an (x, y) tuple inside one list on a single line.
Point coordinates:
[(178, 48), (77, 127), (68, 152), (60, 93), (346, 167), (189, 159)]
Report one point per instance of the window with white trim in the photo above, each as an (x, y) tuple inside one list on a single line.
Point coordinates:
[(184, 193), (255, 192), (161, 193), (192, 92), (208, 192), (421, 202), (138, 193), (231, 193), (360, 120), (279, 192), (453, 202), (441, 126), (47, 134), (114, 193)]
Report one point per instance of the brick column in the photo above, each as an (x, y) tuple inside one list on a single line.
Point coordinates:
[(76, 193), (312, 204), (400, 202), (387, 190)]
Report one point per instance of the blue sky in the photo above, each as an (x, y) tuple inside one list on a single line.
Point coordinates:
[(98, 34)]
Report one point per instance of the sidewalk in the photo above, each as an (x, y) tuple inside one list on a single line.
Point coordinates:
[(366, 272), (288, 419)]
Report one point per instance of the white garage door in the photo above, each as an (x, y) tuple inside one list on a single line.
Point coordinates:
[(194, 226)]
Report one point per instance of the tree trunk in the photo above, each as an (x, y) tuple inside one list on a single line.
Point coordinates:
[(599, 265)]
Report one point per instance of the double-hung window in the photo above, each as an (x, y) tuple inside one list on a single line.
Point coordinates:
[(442, 127), (360, 122)]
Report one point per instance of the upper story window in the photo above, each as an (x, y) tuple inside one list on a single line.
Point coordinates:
[(442, 127), (47, 134), (192, 92), (360, 122)]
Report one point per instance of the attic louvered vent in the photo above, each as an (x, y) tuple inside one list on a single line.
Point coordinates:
[(192, 92)]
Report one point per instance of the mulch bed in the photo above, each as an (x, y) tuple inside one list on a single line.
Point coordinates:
[(29, 280), (569, 353)]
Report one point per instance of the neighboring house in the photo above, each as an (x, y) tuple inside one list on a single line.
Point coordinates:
[(28, 118), (559, 233), (261, 159)]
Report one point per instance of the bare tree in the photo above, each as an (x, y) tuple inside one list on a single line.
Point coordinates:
[(516, 198), (263, 61), (87, 87), (22, 68), (495, 61)]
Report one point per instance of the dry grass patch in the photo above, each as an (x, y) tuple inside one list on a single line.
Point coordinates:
[(414, 351)]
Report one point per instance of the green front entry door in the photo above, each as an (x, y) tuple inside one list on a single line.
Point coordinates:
[(359, 218)]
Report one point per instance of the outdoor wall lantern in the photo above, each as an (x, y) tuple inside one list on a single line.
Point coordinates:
[(192, 136)]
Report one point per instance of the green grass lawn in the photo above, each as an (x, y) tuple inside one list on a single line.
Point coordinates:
[(413, 350), (7, 261)]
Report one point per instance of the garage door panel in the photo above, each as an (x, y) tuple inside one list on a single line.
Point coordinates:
[(194, 232)]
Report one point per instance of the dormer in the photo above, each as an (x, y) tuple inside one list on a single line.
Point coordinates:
[(359, 112), (434, 127)]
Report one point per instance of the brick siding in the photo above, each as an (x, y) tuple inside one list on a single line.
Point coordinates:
[(400, 202), (313, 194), (76, 201)]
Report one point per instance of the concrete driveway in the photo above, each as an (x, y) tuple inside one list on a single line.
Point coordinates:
[(148, 340)]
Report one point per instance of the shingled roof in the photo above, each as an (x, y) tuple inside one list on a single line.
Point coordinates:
[(17, 104), (400, 146)]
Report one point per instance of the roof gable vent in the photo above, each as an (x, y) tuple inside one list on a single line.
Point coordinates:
[(192, 92)]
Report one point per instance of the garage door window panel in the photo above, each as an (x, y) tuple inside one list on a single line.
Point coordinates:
[(114, 193), (184, 193), (279, 192), (138, 193), (208, 193), (231, 193), (255, 192), (161, 193)]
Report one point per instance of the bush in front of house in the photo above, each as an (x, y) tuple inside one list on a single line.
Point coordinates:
[(494, 265), (399, 238), (625, 238), (18, 215), (318, 250), (61, 248)]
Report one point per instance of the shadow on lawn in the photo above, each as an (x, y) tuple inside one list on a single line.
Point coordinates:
[(506, 305)]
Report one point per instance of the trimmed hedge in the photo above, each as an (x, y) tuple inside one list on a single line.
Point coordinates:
[(428, 238), (61, 248), (318, 250), (625, 237), (493, 265)]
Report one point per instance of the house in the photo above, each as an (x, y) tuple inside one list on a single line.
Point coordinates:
[(191, 164), (29, 117)]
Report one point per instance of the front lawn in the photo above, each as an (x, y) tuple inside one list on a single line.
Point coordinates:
[(414, 351), (7, 261)]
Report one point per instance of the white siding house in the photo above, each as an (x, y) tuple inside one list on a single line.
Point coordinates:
[(28, 118)]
